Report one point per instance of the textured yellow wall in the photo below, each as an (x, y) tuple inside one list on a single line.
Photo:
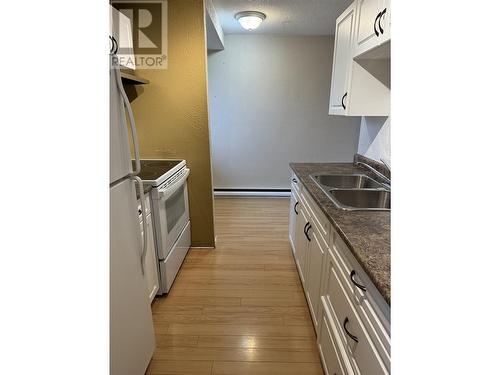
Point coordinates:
[(172, 111)]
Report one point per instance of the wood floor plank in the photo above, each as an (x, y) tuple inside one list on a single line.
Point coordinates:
[(269, 301), (176, 340), (239, 308), (239, 293), (236, 329), (166, 367), (257, 342), (236, 354), (258, 310), (266, 368), (220, 319)]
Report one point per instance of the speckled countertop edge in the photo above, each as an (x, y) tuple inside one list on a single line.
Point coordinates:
[(366, 233)]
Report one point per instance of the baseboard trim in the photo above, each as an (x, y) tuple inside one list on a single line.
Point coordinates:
[(252, 192)]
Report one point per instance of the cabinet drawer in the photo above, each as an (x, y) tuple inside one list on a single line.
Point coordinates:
[(317, 215), (332, 353), (365, 302), (296, 185), (363, 353)]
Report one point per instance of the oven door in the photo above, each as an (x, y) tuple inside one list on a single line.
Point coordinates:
[(173, 209)]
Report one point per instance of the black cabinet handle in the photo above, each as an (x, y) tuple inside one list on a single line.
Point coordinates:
[(295, 208), (343, 105), (379, 19), (349, 333), (114, 45), (362, 287), (375, 23), (306, 230), (294, 180)]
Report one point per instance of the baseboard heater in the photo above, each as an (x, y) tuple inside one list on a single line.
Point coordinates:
[(253, 192)]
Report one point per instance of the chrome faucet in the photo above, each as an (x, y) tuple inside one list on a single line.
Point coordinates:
[(386, 163), (386, 183)]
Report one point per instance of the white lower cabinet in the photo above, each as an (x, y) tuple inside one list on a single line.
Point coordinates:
[(315, 252), (331, 351), (364, 354), (294, 211), (301, 243), (352, 336)]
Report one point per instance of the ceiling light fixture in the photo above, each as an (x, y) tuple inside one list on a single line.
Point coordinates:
[(250, 20)]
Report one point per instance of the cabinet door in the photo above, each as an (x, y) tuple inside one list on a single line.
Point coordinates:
[(333, 354), (316, 252), (301, 244), (342, 62), (366, 28), (292, 225), (151, 262)]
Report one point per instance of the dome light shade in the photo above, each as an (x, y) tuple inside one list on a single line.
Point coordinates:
[(250, 20)]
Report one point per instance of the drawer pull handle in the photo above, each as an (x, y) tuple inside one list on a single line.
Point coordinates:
[(375, 23), (306, 230), (343, 105), (381, 15), (295, 208), (294, 180), (362, 287), (349, 333)]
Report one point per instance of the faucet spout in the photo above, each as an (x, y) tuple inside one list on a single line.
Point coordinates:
[(387, 182)]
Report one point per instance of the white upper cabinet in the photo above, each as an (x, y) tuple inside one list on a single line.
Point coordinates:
[(342, 60), (372, 26), (361, 61)]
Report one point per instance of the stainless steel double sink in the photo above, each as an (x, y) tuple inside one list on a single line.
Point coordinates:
[(355, 191)]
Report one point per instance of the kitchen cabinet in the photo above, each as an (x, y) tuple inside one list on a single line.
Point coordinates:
[(315, 252), (333, 355), (342, 60), (363, 354), (360, 82), (372, 25), (310, 246), (294, 212), (302, 243), (350, 316)]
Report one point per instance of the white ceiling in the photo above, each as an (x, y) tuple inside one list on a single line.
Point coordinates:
[(292, 17)]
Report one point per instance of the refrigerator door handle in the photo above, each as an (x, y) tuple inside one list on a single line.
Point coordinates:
[(144, 222), (133, 129)]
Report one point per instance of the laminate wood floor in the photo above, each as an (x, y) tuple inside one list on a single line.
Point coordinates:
[(239, 308)]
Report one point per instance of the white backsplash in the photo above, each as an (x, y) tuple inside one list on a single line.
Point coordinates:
[(375, 138)]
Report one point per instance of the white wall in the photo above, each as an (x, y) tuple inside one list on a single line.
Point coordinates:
[(375, 138), (269, 106)]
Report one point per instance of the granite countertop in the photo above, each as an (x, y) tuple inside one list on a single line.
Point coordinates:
[(366, 233)]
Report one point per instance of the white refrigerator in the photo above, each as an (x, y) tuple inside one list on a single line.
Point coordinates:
[(132, 339)]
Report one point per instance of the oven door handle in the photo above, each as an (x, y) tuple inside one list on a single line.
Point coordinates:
[(169, 191)]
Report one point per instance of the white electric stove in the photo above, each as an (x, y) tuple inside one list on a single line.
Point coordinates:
[(170, 210)]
